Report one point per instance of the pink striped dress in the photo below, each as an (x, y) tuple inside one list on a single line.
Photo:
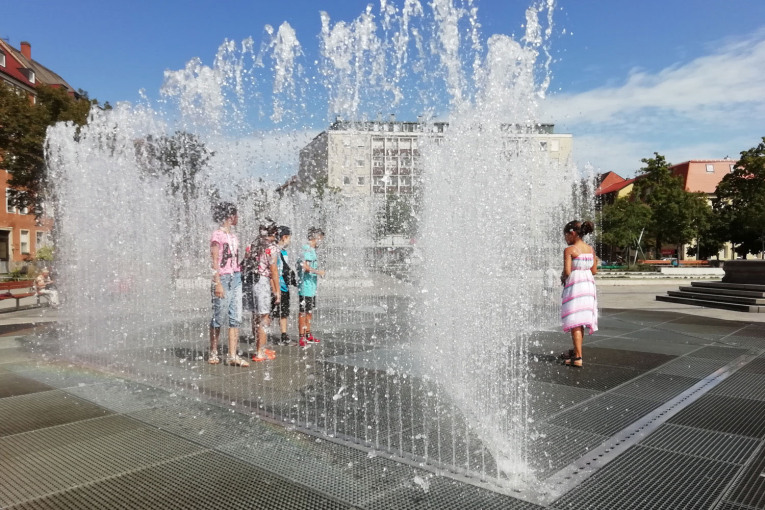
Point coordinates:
[(580, 301)]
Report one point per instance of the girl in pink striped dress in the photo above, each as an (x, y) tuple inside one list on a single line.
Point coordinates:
[(580, 302)]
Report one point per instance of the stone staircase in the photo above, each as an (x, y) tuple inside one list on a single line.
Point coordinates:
[(741, 297)]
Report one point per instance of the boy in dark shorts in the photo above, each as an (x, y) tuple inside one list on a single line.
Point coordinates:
[(286, 278), (309, 273)]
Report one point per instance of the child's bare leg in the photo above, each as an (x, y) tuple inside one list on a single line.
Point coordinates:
[(214, 335), (233, 341), (308, 318), (302, 323), (577, 335), (283, 324), (263, 322)]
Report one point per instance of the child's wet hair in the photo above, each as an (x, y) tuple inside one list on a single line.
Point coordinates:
[(582, 228), (315, 232), (223, 210)]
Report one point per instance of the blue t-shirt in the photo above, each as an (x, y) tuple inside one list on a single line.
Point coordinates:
[(308, 281), (280, 265)]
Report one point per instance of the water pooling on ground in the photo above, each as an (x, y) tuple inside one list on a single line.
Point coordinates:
[(424, 361)]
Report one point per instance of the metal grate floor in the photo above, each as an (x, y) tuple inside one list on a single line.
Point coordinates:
[(643, 478)]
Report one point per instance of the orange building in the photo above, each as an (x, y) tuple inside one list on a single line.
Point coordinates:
[(21, 233)]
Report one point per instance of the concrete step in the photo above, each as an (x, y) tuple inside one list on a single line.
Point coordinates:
[(731, 286), (742, 300), (722, 292), (712, 304)]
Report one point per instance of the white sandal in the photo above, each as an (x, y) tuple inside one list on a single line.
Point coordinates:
[(237, 361), (213, 358)]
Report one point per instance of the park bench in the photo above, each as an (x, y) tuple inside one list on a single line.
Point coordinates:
[(694, 263), (18, 290)]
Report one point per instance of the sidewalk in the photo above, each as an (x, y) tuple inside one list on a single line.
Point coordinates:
[(667, 413)]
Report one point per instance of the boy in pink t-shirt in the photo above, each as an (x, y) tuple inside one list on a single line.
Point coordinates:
[(226, 284)]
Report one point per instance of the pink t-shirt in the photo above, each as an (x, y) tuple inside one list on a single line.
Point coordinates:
[(228, 254)]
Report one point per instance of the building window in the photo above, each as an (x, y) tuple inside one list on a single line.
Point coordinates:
[(405, 180), (732, 167), (360, 181), (346, 180), (2, 59), (543, 145), (25, 241), (710, 168), (554, 145), (39, 240), (8, 207), (360, 163)]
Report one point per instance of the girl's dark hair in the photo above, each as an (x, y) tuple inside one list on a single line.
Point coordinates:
[(315, 232), (581, 228), (223, 210)]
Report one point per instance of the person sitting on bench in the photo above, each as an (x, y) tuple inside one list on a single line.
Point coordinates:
[(45, 287)]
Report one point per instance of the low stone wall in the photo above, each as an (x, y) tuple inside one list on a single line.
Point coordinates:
[(744, 271)]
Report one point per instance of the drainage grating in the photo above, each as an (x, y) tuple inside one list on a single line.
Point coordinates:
[(123, 396), (749, 489), (702, 443), (12, 385), (725, 414), (644, 478), (743, 385), (660, 387), (605, 415), (22, 413), (688, 366), (719, 353), (49, 461), (202, 481), (573, 475), (757, 366), (445, 493), (546, 399), (596, 377), (552, 448)]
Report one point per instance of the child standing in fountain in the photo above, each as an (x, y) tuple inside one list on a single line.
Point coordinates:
[(309, 270), (265, 284), (286, 278), (579, 303), (226, 284)]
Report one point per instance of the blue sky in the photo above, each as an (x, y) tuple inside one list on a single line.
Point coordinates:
[(683, 78)]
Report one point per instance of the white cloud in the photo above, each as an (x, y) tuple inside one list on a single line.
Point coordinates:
[(695, 110)]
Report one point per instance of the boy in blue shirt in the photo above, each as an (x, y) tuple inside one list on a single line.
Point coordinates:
[(286, 278), (309, 273)]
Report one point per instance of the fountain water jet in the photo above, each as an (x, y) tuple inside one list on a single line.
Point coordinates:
[(431, 371)]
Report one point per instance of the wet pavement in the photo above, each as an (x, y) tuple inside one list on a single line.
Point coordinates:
[(667, 413)]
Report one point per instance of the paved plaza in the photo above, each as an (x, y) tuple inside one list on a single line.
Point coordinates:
[(667, 413)]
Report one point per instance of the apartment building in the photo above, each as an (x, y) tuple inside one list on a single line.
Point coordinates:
[(22, 234), (380, 158)]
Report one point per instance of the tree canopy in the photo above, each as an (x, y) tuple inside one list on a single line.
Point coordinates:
[(740, 202), (677, 216), (22, 138)]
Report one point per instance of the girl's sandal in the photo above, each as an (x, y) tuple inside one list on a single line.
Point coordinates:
[(238, 361), (574, 362), (213, 359)]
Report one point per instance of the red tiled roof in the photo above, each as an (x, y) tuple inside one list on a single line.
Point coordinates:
[(696, 177), (614, 187)]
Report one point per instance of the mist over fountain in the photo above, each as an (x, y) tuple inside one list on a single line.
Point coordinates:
[(429, 368)]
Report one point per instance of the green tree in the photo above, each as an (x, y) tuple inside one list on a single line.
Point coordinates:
[(740, 202), (622, 222), (23, 126), (677, 216), (180, 158)]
